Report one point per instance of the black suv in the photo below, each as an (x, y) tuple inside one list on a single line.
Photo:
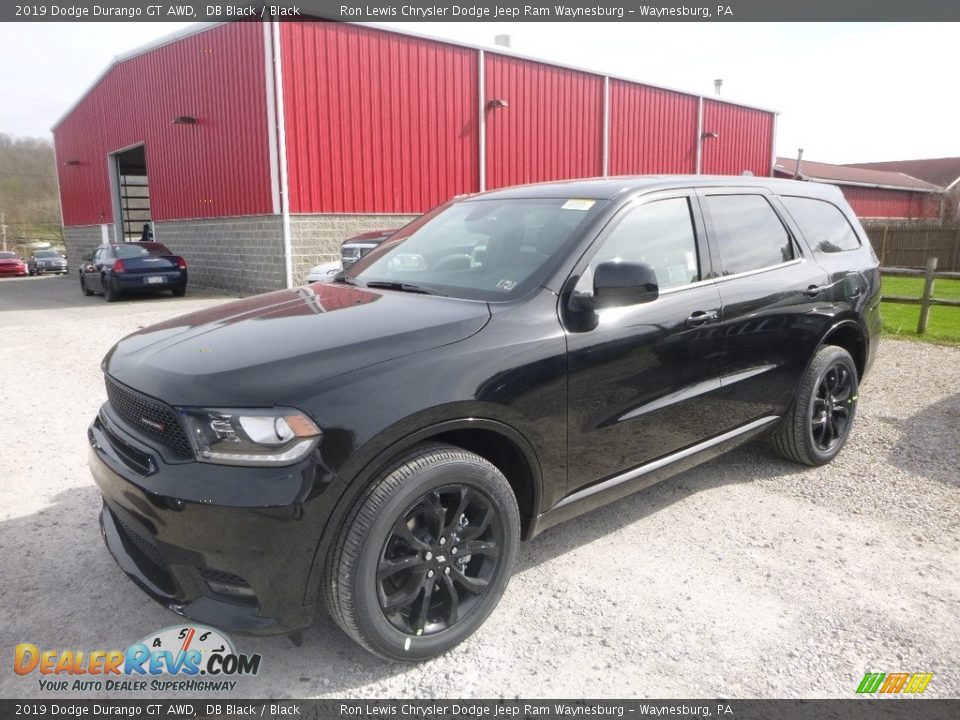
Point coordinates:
[(507, 361)]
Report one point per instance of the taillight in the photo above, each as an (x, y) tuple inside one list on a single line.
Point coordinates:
[(181, 263), (119, 267)]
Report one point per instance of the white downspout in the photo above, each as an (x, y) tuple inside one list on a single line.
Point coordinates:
[(282, 152)]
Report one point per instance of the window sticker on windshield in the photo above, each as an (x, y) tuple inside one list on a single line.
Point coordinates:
[(577, 204), (506, 284)]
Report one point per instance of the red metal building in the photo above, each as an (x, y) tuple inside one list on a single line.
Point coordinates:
[(277, 140), (871, 193)]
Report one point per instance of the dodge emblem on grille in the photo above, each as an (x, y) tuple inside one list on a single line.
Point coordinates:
[(154, 424)]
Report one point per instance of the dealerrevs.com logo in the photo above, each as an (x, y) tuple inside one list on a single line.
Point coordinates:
[(190, 658)]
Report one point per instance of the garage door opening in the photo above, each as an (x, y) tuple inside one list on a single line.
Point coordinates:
[(132, 195)]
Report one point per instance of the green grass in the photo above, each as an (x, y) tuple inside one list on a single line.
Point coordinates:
[(943, 325)]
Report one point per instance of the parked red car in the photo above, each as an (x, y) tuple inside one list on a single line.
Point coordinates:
[(12, 264)]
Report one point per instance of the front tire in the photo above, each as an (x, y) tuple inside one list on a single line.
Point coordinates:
[(424, 554), (83, 286), (819, 421)]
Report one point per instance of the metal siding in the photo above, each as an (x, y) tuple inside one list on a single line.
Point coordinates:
[(651, 130), (376, 121), (552, 128), (745, 139), (219, 167), (882, 203)]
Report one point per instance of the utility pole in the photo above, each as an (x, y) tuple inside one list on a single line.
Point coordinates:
[(3, 229)]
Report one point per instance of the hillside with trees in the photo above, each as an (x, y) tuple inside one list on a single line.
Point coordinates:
[(28, 190)]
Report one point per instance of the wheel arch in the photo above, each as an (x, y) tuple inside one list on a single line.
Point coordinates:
[(848, 335), (501, 444)]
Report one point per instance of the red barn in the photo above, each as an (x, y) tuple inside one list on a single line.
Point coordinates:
[(871, 193), (254, 148)]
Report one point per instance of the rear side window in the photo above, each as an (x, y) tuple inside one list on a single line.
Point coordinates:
[(132, 250), (822, 224), (747, 233)]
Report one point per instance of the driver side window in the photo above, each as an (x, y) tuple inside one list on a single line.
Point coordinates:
[(659, 234)]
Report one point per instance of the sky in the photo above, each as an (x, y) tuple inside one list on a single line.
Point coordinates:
[(846, 92)]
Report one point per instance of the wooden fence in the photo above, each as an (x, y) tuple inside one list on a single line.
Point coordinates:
[(929, 274), (909, 244)]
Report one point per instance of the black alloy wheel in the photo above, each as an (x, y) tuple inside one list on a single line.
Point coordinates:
[(439, 560), (830, 411), (424, 553), (818, 423)]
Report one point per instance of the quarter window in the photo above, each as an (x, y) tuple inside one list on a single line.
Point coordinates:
[(660, 234), (822, 224), (747, 233)]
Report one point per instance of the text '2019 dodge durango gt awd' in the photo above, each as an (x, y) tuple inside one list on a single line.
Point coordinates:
[(505, 362)]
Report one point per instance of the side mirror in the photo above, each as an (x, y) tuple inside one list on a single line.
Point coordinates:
[(617, 284)]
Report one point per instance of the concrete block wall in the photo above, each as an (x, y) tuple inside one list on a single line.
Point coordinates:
[(316, 238), (239, 254), (245, 254), (81, 241)]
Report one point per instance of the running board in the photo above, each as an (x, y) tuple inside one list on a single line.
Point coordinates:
[(643, 476)]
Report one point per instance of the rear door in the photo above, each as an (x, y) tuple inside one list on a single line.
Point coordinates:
[(775, 304), (642, 379), (849, 262)]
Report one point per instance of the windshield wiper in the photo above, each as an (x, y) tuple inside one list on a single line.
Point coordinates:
[(403, 287)]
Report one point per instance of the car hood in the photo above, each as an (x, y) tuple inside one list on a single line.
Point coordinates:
[(270, 349)]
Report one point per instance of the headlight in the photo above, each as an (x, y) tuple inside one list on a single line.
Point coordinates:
[(274, 436)]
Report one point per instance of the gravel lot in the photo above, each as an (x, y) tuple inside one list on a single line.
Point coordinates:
[(746, 577)]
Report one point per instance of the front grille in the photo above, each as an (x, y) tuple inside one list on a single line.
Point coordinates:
[(149, 416), (145, 546)]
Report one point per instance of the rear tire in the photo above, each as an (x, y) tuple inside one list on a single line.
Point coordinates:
[(821, 417), (424, 555), (179, 292), (109, 294)]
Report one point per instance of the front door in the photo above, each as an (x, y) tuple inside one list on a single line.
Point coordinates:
[(643, 378)]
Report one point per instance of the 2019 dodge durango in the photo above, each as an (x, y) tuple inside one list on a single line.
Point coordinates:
[(508, 361)]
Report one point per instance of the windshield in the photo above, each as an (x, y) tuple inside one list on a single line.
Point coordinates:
[(132, 250), (478, 249), (47, 254), (7, 255)]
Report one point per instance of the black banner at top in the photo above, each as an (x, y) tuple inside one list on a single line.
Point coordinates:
[(484, 10)]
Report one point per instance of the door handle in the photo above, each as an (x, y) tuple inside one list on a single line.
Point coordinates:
[(813, 291), (701, 317)]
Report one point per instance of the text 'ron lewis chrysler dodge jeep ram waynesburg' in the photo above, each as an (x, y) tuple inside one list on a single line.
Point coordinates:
[(507, 361)]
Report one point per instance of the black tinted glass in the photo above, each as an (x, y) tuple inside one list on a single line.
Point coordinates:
[(132, 250), (747, 232), (822, 224), (659, 234)]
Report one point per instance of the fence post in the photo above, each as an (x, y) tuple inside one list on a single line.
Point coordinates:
[(927, 294), (956, 248), (883, 246)]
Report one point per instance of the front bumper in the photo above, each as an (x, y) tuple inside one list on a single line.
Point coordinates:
[(232, 547)]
